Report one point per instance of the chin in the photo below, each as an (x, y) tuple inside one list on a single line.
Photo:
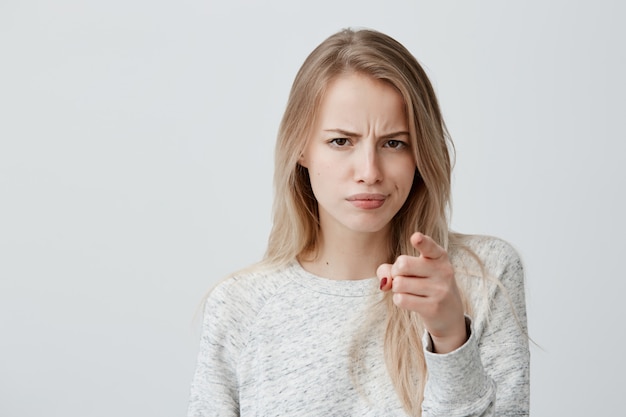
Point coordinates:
[(368, 228)]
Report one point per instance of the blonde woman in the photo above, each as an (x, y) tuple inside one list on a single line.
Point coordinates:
[(365, 303)]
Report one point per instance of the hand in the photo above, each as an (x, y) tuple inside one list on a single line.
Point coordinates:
[(426, 284)]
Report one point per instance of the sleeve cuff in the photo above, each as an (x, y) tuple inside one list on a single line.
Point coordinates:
[(456, 380)]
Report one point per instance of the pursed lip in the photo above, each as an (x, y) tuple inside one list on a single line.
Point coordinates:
[(367, 201), (367, 197)]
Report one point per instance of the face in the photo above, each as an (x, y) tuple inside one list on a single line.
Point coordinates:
[(359, 155)]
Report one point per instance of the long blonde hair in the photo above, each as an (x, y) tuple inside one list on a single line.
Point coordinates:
[(295, 213)]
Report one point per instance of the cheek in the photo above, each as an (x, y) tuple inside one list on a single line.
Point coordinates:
[(405, 175), (323, 171), (317, 179)]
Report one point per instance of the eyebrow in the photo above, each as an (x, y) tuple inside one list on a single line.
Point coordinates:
[(352, 134)]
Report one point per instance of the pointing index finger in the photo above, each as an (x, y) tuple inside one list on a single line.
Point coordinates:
[(427, 247)]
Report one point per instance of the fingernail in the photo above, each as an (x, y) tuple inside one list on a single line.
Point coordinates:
[(383, 282)]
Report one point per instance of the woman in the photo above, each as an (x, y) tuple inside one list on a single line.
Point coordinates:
[(365, 303)]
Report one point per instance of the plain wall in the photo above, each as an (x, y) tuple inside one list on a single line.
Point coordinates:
[(136, 146)]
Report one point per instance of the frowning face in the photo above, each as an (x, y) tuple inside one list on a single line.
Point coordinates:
[(359, 155)]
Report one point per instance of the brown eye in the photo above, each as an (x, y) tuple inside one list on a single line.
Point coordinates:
[(395, 144), (339, 141)]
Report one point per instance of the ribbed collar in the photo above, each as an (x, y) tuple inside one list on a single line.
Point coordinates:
[(344, 288)]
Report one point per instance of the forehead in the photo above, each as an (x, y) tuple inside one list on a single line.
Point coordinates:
[(359, 99)]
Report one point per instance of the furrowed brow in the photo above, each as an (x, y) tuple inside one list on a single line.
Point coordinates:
[(396, 134), (347, 133), (342, 132)]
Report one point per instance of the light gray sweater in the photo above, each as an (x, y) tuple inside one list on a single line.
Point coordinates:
[(282, 343)]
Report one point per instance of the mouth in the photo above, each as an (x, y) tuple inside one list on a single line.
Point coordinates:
[(367, 201)]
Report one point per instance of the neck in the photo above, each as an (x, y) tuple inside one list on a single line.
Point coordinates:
[(349, 256)]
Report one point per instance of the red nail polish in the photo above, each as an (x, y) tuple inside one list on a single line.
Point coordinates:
[(383, 282)]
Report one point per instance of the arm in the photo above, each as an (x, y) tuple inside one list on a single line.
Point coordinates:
[(503, 338), (457, 383), (490, 373), (214, 390)]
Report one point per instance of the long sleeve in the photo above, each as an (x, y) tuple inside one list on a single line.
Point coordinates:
[(281, 342), (214, 390), (457, 382), (503, 336), (489, 374)]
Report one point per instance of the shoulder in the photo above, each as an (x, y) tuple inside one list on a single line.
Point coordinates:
[(475, 252), (491, 272), (245, 293), (486, 266), (232, 308), (230, 314)]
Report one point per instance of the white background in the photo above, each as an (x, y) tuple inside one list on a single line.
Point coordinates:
[(136, 143)]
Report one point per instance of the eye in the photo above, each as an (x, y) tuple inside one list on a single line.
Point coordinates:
[(339, 142), (395, 144)]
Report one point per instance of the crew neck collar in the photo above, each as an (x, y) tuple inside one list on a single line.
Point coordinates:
[(345, 288)]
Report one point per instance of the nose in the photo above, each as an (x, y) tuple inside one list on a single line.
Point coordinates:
[(367, 166)]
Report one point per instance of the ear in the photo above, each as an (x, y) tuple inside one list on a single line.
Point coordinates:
[(302, 160)]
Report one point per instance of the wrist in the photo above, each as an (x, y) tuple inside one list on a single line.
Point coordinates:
[(452, 341)]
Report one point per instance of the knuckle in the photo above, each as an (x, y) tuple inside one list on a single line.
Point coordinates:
[(398, 284), (402, 263), (383, 270)]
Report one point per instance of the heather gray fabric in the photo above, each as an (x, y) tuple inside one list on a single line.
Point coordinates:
[(280, 343)]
